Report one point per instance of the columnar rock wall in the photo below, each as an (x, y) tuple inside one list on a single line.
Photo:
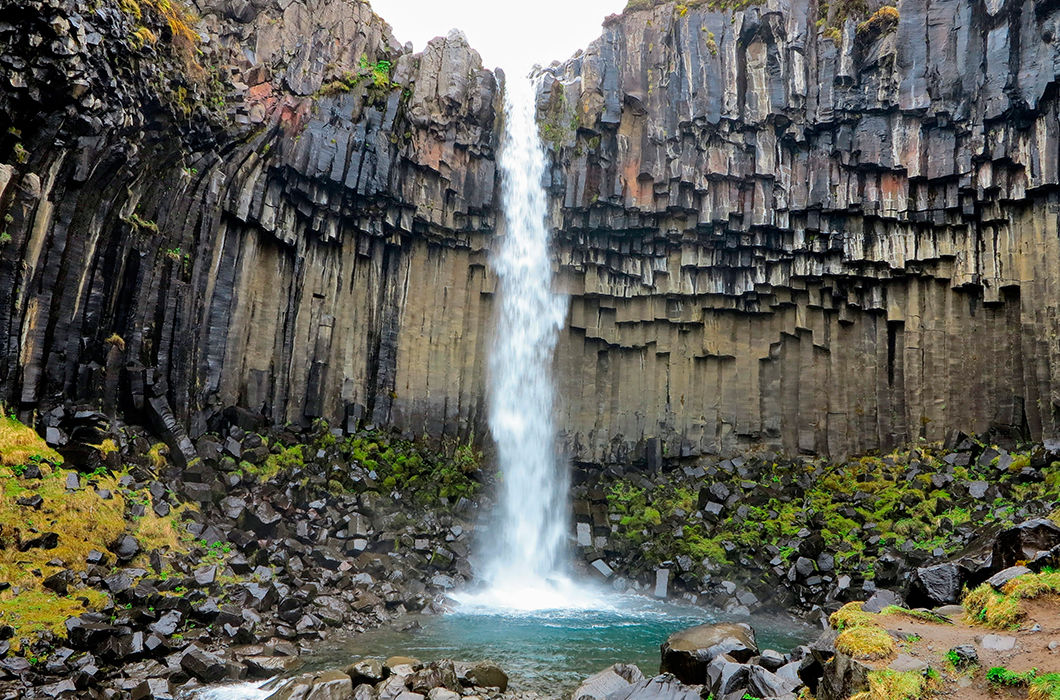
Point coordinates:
[(830, 247), (769, 237), (313, 248)]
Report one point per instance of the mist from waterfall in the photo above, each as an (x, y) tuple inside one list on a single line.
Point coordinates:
[(525, 563)]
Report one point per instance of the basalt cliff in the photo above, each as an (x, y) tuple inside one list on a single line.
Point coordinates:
[(777, 225)]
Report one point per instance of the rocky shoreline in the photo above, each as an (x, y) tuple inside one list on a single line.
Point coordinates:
[(284, 537)]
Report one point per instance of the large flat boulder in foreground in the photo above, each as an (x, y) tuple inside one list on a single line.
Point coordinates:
[(687, 653)]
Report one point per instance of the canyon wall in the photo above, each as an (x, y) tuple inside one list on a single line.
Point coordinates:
[(769, 235), (824, 241), (287, 225)]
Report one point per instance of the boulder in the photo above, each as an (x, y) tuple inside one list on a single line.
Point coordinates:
[(763, 684), (488, 675), (201, 664), (369, 671), (687, 653), (325, 685), (936, 585), (1024, 541), (661, 687), (842, 678), (881, 599), (611, 680), (726, 677), (1005, 575)]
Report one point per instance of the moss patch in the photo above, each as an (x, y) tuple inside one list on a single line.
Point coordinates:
[(32, 613), (20, 445)]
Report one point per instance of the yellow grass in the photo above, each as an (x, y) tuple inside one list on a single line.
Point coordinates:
[(20, 444), (865, 643)]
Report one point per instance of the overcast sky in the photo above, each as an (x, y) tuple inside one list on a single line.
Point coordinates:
[(510, 35)]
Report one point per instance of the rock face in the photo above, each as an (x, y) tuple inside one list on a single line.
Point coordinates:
[(317, 250), (767, 236), (770, 236)]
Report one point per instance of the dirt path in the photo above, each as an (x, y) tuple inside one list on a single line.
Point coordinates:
[(1019, 650)]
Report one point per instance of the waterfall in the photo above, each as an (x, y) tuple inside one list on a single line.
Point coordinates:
[(525, 565)]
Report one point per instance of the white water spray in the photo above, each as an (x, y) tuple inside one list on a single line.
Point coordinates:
[(525, 568)]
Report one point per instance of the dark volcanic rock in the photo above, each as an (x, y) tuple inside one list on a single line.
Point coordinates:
[(687, 653), (661, 687)]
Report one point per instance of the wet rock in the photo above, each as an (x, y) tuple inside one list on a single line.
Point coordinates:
[(725, 677), (965, 656), (842, 678), (687, 653), (324, 685), (203, 665), (1005, 575), (47, 540), (269, 666), (34, 501), (152, 689), (488, 675), (763, 684), (1024, 541), (881, 599), (125, 548), (611, 680), (369, 671)]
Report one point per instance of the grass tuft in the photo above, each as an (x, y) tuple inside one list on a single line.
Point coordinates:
[(1033, 585), (896, 685), (851, 615), (987, 607), (865, 643)]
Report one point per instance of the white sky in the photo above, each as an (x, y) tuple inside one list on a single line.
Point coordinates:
[(510, 35)]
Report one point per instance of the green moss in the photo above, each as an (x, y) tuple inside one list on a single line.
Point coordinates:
[(32, 613), (281, 462), (1001, 677)]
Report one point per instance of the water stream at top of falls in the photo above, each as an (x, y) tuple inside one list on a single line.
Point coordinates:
[(525, 561)]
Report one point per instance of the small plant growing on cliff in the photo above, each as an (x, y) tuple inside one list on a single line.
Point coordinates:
[(379, 71), (21, 154), (117, 341), (173, 254), (5, 238), (712, 45)]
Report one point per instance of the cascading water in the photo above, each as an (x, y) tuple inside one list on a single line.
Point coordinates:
[(525, 564), (546, 628)]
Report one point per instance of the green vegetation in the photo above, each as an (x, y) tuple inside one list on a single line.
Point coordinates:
[(681, 8), (423, 472), (1002, 610), (376, 74), (20, 444), (141, 223), (82, 519), (1040, 686), (426, 475), (176, 17), (891, 497)]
